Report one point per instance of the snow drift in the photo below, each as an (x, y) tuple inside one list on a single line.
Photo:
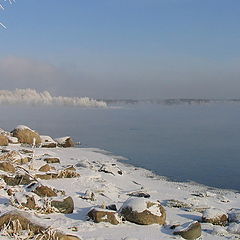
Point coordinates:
[(32, 97)]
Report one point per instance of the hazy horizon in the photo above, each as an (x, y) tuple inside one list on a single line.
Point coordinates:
[(138, 49)]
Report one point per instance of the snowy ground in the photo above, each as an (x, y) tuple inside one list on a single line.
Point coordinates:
[(113, 188)]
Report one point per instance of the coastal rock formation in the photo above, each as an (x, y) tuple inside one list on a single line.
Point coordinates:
[(26, 135), (215, 216), (143, 211), (103, 215), (189, 231), (65, 142)]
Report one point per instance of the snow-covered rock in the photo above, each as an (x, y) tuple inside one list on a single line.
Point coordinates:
[(190, 230), (215, 216), (65, 142), (143, 211), (234, 228), (48, 142), (104, 215), (26, 135), (234, 215)]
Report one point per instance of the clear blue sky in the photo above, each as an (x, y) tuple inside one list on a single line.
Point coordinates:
[(122, 48)]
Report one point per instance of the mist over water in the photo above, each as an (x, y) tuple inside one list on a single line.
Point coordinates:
[(183, 142)]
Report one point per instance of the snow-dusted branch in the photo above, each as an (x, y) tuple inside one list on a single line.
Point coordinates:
[(2, 7)]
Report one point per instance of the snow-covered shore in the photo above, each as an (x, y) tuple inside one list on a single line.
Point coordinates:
[(113, 182)]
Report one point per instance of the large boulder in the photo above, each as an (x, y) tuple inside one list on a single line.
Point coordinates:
[(65, 142), (26, 135), (189, 231), (215, 216), (103, 215), (3, 140), (65, 206), (143, 211)]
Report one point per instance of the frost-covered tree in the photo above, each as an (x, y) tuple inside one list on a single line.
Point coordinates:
[(2, 7)]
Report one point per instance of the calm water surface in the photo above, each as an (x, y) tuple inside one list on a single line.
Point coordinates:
[(183, 142)]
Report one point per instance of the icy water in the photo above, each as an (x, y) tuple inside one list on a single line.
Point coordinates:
[(198, 143)]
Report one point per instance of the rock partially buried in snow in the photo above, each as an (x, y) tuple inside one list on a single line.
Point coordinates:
[(51, 159), (189, 231), (14, 157), (48, 142), (3, 140), (17, 180), (65, 142), (103, 215), (215, 216), (143, 211), (65, 206), (26, 135), (46, 168), (44, 191), (234, 215), (234, 228), (24, 222)]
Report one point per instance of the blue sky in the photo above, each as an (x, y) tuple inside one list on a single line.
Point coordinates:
[(122, 48)]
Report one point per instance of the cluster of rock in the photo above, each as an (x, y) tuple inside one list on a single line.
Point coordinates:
[(230, 220), (25, 135), (21, 182)]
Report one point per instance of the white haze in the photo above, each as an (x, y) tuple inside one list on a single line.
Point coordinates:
[(32, 97)]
